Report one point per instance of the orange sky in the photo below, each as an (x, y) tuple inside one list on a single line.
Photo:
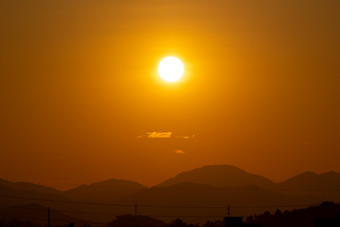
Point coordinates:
[(79, 91)]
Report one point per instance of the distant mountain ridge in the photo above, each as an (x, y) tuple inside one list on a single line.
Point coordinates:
[(102, 192), (105, 191), (326, 185), (219, 176), (214, 175), (190, 199), (36, 213), (26, 186), (312, 181), (209, 188)]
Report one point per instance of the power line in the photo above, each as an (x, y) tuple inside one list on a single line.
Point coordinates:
[(111, 214), (155, 206), (58, 220), (273, 206), (23, 217), (69, 202), (57, 210)]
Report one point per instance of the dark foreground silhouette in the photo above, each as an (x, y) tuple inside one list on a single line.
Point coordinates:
[(323, 215), (191, 195)]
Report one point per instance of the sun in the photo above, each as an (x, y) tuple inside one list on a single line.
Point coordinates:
[(171, 69)]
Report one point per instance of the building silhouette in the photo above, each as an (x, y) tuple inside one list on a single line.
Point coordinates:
[(323, 222), (238, 222)]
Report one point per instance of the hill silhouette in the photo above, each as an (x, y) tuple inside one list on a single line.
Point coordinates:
[(26, 186), (10, 196), (37, 214), (219, 176), (105, 191), (206, 191), (325, 186), (311, 180), (190, 199)]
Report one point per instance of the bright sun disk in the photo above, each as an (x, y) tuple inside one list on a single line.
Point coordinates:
[(171, 69)]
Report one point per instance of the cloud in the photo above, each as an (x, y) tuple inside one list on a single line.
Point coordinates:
[(179, 152), (159, 135), (163, 135), (185, 137)]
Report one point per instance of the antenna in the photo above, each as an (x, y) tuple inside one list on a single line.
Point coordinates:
[(136, 209), (228, 212), (48, 217)]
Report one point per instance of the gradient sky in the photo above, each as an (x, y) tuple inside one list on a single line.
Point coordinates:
[(81, 100)]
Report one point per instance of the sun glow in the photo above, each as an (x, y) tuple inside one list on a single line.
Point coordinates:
[(171, 69)]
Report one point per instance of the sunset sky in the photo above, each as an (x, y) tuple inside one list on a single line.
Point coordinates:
[(81, 100)]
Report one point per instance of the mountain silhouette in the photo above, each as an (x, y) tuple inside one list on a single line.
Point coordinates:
[(312, 181), (219, 176), (105, 191), (10, 196), (206, 191), (36, 213), (325, 185), (26, 186), (191, 199)]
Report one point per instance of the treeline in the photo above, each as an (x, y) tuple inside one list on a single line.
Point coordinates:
[(307, 217), (120, 221), (145, 221)]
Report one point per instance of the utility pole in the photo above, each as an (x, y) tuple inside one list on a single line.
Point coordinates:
[(48, 217), (136, 208), (228, 213)]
